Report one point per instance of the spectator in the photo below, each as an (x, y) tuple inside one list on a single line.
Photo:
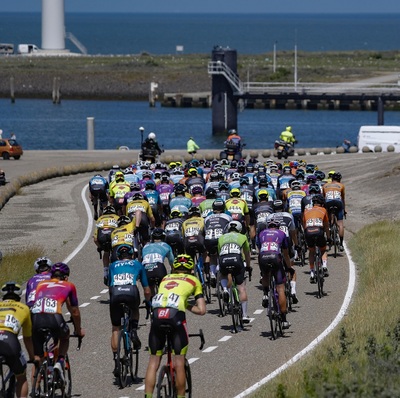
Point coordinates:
[(192, 147), (13, 136)]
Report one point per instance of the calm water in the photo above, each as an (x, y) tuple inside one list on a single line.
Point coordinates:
[(39, 124), (198, 33)]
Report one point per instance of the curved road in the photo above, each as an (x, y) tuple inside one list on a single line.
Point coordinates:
[(51, 214)]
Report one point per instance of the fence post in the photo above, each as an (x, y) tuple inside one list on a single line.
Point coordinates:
[(90, 133)]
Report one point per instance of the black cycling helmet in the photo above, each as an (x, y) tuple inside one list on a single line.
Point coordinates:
[(319, 174), (137, 196), (179, 189), (336, 176), (134, 186), (11, 291), (218, 205), (277, 204), (244, 180), (123, 220), (318, 199), (124, 250), (194, 210), (158, 234), (150, 185), (59, 270), (211, 193), (300, 173), (214, 176), (314, 189), (109, 210), (223, 185)]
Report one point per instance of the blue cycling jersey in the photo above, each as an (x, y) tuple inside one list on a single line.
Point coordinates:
[(156, 252), (127, 272)]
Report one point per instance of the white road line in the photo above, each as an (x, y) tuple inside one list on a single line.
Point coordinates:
[(191, 360), (104, 291), (225, 338), (84, 305), (311, 346), (258, 312), (141, 388), (88, 229), (210, 349), (94, 297)]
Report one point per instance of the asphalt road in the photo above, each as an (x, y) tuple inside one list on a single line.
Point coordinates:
[(52, 214)]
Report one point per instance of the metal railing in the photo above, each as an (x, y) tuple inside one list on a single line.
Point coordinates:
[(221, 68)]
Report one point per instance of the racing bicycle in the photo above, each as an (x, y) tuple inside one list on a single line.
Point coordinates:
[(273, 310), (7, 380), (334, 230)]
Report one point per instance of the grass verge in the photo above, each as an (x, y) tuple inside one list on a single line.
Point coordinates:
[(17, 265), (362, 357)]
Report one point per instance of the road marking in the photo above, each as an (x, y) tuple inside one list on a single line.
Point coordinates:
[(210, 349), (191, 360), (225, 338), (258, 312), (84, 305), (104, 291), (94, 297), (312, 345), (141, 388)]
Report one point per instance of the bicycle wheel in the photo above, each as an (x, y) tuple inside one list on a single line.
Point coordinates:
[(10, 388), (335, 239), (303, 247), (188, 374), (164, 383), (68, 379), (133, 361), (40, 387), (122, 359), (272, 313), (319, 274), (288, 293), (221, 302), (236, 310)]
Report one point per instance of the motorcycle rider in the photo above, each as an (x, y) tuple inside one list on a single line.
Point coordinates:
[(150, 144), (288, 136)]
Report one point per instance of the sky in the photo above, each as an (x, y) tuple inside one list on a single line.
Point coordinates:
[(212, 6)]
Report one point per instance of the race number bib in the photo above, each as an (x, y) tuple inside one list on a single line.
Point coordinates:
[(230, 248), (11, 322), (47, 305), (314, 222), (123, 279), (269, 247)]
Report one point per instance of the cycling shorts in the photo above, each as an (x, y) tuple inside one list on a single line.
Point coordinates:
[(10, 349), (232, 264), (144, 228), (100, 194), (175, 240), (128, 294), (211, 246), (194, 244), (339, 208), (104, 238), (168, 320), (155, 272), (54, 322), (268, 262), (315, 236)]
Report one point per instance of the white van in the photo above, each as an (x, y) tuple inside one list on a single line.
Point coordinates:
[(372, 136), (27, 49)]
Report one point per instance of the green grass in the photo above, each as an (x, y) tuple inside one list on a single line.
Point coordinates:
[(362, 357), (17, 265)]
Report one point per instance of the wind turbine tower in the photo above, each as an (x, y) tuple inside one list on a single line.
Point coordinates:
[(53, 25)]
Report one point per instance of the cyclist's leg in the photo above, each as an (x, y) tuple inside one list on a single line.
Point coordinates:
[(241, 286)]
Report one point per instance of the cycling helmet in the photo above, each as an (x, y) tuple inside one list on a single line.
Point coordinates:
[(273, 223), (294, 164), (151, 136), (261, 169), (194, 210), (300, 173), (235, 176), (314, 189), (213, 176), (249, 168), (273, 168), (165, 178), (234, 164), (235, 226), (11, 290), (197, 189), (123, 250), (147, 174), (192, 172), (137, 196), (311, 179), (158, 234), (318, 199), (218, 205), (172, 165), (42, 263), (179, 189), (128, 170), (331, 172), (310, 168), (175, 213), (224, 162), (119, 175), (244, 180), (59, 270), (336, 176), (234, 193), (286, 170), (134, 186), (211, 193), (263, 182), (277, 205), (295, 185), (320, 175), (263, 194), (109, 210), (289, 128), (183, 261), (123, 220), (150, 185), (232, 131), (223, 185)]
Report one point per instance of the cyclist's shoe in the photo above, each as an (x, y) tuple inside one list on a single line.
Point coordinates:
[(312, 277), (226, 296), (325, 271), (265, 301), (286, 325), (246, 319), (116, 370), (294, 298), (137, 344), (253, 251), (341, 248), (60, 366), (213, 281), (105, 280)]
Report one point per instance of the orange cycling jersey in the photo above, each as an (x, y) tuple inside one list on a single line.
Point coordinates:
[(333, 191), (193, 227), (13, 316), (315, 217)]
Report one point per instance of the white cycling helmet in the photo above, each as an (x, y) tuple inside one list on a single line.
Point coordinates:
[(42, 262), (235, 226), (151, 136)]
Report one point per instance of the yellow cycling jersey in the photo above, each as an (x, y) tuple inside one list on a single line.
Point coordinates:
[(118, 190), (123, 235), (175, 290), (193, 226), (139, 204), (236, 206), (14, 316), (106, 221)]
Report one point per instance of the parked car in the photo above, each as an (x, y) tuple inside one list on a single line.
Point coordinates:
[(2, 177), (9, 148)]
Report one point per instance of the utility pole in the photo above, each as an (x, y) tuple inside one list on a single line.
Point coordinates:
[(274, 57), (295, 61)]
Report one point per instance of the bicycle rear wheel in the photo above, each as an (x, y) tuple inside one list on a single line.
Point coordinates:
[(236, 310), (335, 239), (220, 297), (122, 359), (68, 379), (188, 379), (164, 383), (288, 293), (133, 362), (40, 387), (272, 314), (319, 274)]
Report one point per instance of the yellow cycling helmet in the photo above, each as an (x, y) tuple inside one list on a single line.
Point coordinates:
[(234, 193), (183, 260), (172, 165), (263, 194), (331, 173), (178, 164)]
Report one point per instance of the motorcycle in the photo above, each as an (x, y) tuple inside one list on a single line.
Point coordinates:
[(283, 149), (232, 151), (150, 155)]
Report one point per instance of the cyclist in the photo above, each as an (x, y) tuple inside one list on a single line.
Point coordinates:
[(169, 307), (294, 197), (14, 316), (42, 267), (206, 206), (231, 248), (47, 312), (193, 233), (173, 230), (316, 223), (273, 245), (334, 193), (153, 197), (154, 254), (262, 209), (238, 207), (197, 195), (98, 186), (123, 276), (122, 235), (102, 235), (248, 195), (214, 227), (118, 188), (180, 199)]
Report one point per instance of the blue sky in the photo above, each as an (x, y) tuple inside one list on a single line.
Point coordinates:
[(213, 6)]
